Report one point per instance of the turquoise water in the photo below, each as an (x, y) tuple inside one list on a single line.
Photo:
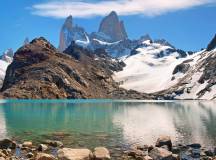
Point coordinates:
[(114, 124)]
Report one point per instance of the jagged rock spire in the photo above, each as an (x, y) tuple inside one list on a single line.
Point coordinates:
[(212, 44), (65, 38), (113, 27)]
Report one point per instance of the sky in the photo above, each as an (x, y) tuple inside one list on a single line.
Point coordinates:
[(187, 24)]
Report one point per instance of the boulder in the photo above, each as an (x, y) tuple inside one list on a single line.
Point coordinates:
[(195, 145), (175, 157), (209, 153), (101, 153), (160, 154), (7, 143), (136, 153), (54, 143), (74, 154), (27, 144), (2, 154), (2, 158), (42, 147), (147, 158), (30, 155), (44, 156), (164, 141)]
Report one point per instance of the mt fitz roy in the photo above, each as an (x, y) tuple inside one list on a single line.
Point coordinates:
[(120, 67)]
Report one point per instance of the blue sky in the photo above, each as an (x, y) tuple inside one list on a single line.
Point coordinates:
[(187, 25)]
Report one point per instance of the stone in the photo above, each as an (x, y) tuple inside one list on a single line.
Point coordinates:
[(74, 154), (195, 145), (42, 147), (44, 156), (54, 143), (2, 154), (2, 158), (175, 157), (147, 158), (176, 150), (209, 153), (27, 144), (6, 153), (5, 143), (150, 148), (164, 141), (160, 154), (101, 153), (136, 153), (30, 155)]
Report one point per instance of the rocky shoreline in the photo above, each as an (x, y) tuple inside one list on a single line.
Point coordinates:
[(53, 150)]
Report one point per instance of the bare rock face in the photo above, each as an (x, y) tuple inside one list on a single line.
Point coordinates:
[(71, 32), (212, 44), (112, 27)]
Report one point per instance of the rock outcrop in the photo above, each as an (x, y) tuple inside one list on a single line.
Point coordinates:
[(113, 28)]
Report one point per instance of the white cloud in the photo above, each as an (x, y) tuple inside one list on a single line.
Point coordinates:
[(83, 9)]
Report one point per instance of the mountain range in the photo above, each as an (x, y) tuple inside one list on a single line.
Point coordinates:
[(107, 64)]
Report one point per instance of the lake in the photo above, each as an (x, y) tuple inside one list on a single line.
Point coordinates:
[(114, 124)]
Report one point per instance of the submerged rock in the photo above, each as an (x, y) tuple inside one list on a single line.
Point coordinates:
[(101, 153), (44, 156), (54, 143), (27, 144)]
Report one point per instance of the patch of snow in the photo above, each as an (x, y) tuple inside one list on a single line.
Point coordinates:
[(146, 72), (105, 43)]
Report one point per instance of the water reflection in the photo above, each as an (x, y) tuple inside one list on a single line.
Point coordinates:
[(111, 123), (3, 130), (185, 121)]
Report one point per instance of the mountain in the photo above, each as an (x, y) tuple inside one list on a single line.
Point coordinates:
[(147, 64), (7, 56), (111, 36), (39, 70), (113, 28), (71, 32), (5, 59), (198, 76), (160, 69)]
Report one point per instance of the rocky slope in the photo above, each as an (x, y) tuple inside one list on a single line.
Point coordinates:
[(40, 71), (150, 65), (197, 77), (160, 69)]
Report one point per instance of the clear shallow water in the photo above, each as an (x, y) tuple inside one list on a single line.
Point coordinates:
[(114, 124)]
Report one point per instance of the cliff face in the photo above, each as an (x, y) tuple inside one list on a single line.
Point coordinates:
[(70, 32), (112, 27), (40, 71)]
